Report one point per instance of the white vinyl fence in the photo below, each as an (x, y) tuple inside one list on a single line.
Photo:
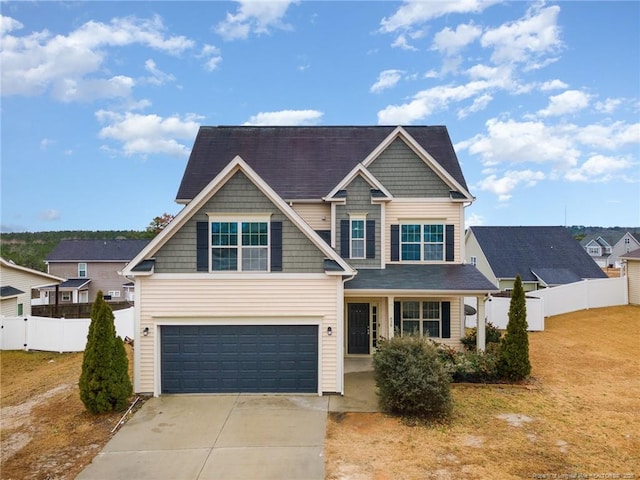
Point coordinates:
[(56, 334), (597, 293)]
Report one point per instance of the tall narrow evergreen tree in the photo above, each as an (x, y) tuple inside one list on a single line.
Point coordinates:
[(513, 359), (104, 382)]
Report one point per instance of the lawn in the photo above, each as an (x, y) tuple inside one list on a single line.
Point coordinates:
[(579, 415)]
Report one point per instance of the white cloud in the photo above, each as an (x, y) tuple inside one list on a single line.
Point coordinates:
[(504, 186), (8, 24), (212, 57), (39, 62), (386, 79), (609, 105), (525, 40), (49, 215), (402, 43), (285, 117), (479, 103), (256, 17), (416, 12), (599, 168), (474, 219), (451, 41), (149, 134), (158, 77), (570, 101), (45, 142), (609, 136), (553, 85)]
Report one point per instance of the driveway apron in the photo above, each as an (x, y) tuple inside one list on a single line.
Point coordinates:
[(220, 437)]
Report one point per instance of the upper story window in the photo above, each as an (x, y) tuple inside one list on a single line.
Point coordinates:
[(474, 260), (627, 241), (593, 250), (240, 246), (422, 242), (82, 270), (358, 238)]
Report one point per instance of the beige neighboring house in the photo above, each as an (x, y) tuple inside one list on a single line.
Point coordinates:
[(89, 266), (298, 246), (17, 285), (631, 262)]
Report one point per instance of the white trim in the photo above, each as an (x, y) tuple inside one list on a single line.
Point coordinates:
[(361, 170), (159, 322), (8, 264), (358, 217), (383, 236), (333, 225), (237, 164), (239, 219), (240, 276), (137, 334), (340, 337), (412, 293)]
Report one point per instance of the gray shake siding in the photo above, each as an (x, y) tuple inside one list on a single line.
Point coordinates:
[(405, 175), (359, 202), (239, 195)]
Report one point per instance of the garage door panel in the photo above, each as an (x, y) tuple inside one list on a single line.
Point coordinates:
[(239, 358)]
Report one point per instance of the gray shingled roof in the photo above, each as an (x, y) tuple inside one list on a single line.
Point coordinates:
[(96, 250), (430, 277), (550, 251), (634, 254), (9, 291), (301, 162)]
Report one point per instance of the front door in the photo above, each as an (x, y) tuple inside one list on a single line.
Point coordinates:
[(358, 328)]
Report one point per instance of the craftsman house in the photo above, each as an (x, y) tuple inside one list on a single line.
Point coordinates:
[(296, 247)]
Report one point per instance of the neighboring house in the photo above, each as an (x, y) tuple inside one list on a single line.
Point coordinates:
[(542, 256), (298, 246), (89, 266), (17, 284), (631, 261), (607, 247)]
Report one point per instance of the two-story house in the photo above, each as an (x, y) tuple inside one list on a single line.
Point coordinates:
[(608, 246), (88, 267), (18, 282), (298, 246)]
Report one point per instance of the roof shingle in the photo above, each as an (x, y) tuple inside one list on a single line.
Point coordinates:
[(96, 250)]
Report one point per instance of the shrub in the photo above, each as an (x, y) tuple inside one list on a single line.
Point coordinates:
[(513, 358), (411, 379), (104, 381), (492, 335), (471, 366)]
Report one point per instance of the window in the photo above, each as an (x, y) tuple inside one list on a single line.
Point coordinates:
[(82, 270), (357, 238), (239, 246), (20, 309), (593, 250), (421, 318), (66, 296), (422, 242), (114, 293), (474, 260)]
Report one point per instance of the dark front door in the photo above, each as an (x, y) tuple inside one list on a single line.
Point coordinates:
[(358, 327)]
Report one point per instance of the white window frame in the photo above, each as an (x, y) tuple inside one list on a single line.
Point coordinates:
[(363, 219), (114, 293), (239, 247), (422, 224), (473, 260), (80, 270), (65, 296), (421, 316), (83, 296)]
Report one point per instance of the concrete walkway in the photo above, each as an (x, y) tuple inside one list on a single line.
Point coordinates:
[(220, 437)]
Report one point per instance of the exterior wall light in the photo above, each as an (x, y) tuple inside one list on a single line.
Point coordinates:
[(145, 332), (329, 331)]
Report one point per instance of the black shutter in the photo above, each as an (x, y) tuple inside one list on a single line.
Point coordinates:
[(276, 246), (397, 317), (371, 239), (344, 238), (446, 319), (202, 246), (395, 243), (449, 243)]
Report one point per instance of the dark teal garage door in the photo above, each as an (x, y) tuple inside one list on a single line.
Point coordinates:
[(239, 358)]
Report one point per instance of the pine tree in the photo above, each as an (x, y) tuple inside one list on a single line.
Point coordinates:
[(513, 361), (103, 385)]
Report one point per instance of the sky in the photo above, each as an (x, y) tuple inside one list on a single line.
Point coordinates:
[(101, 101)]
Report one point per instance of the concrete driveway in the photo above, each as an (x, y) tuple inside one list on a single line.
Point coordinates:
[(218, 437)]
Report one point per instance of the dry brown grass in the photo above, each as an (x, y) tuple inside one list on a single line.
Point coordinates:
[(45, 431), (580, 415)]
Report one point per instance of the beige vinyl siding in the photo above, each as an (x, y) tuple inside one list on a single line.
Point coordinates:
[(24, 281), (472, 249), (446, 212), (633, 274), (209, 300), (406, 175), (317, 215), (456, 319)]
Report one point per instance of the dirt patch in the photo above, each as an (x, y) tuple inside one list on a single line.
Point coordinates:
[(578, 416), (45, 430)]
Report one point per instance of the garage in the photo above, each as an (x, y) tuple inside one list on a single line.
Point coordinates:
[(239, 358)]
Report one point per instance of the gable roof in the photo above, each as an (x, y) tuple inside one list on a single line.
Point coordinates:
[(8, 292), (632, 255), (96, 250), (141, 264), (45, 276), (302, 163), (550, 252)]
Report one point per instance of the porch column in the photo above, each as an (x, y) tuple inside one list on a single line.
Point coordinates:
[(390, 314), (481, 334)]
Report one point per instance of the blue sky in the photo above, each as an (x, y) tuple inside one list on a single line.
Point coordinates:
[(101, 101)]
